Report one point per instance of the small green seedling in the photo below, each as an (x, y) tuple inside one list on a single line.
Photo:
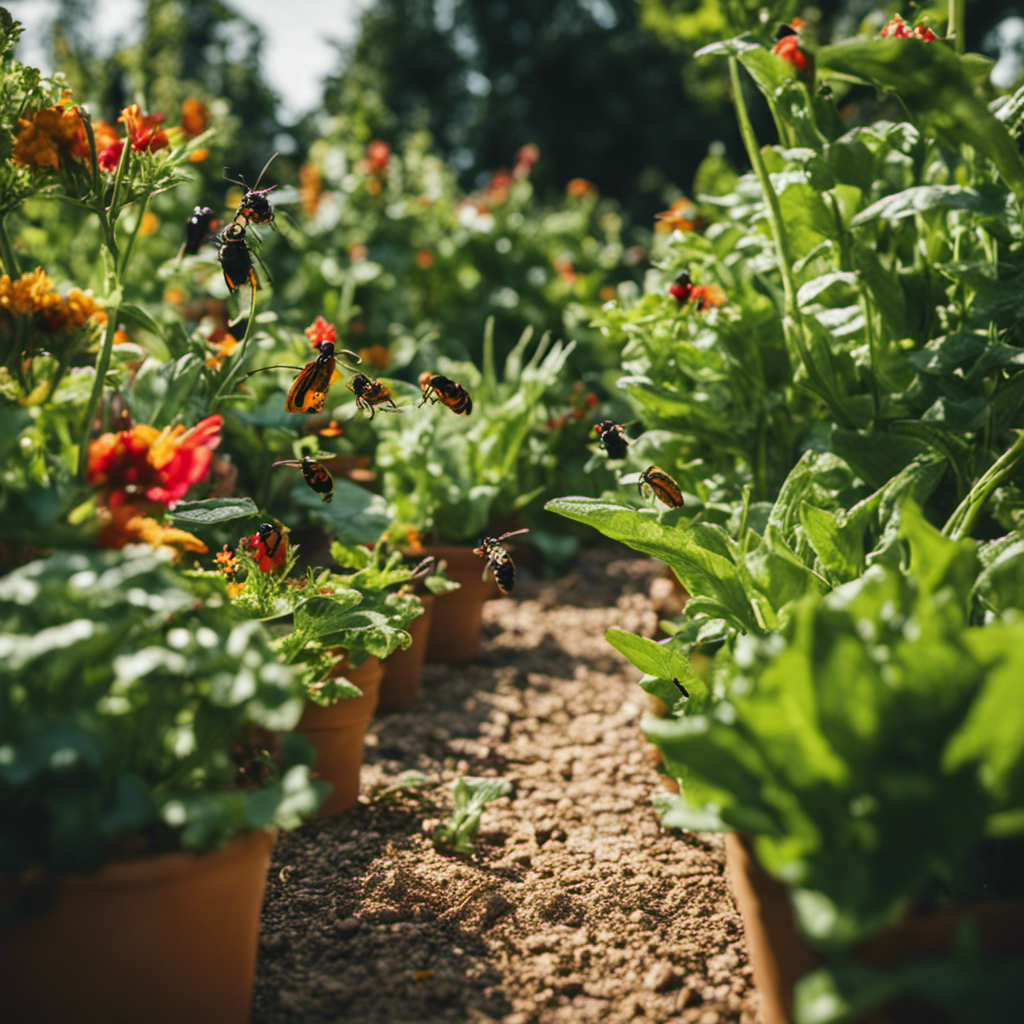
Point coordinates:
[(408, 780), (471, 796)]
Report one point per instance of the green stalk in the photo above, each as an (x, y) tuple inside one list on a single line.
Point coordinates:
[(791, 323), (957, 23), (7, 252), (236, 363), (135, 234), (963, 517), (102, 365)]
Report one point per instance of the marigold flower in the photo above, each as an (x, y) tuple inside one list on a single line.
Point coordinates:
[(143, 130), (50, 135), (320, 331), (194, 117), (225, 343), (33, 295), (126, 526), (159, 465), (578, 188), (790, 50)]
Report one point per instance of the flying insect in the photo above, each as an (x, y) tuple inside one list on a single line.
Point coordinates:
[(499, 561), (612, 438), (448, 392), (314, 473)]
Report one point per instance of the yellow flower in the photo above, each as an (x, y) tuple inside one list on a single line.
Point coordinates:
[(49, 135), (34, 295)]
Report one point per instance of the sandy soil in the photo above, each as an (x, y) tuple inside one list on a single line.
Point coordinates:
[(576, 905)]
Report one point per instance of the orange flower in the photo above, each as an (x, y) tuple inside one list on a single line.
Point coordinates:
[(425, 259), (376, 355), (358, 251), (378, 153), (331, 430), (607, 293), (226, 561), (194, 117), (579, 188), (310, 187), (790, 50), (50, 135), (197, 156), (225, 343), (526, 157), (413, 542), (126, 526), (33, 295), (319, 331), (143, 130), (682, 215), (160, 465), (498, 186), (565, 270)]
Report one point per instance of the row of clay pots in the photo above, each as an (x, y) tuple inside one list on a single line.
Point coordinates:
[(173, 937)]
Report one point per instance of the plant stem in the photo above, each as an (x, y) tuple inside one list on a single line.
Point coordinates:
[(102, 365), (963, 517), (791, 322), (957, 24), (7, 252), (236, 363), (135, 234)]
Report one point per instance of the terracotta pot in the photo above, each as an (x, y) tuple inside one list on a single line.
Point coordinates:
[(455, 626), (402, 669), (338, 732), (779, 955), (154, 940)]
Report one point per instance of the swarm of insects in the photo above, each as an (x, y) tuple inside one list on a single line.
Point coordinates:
[(612, 438), (499, 561), (370, 393), (448, 392), (664, 487), (315, 474)]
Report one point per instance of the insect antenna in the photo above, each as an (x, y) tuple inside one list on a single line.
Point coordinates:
[(514, 533), (276, 366)]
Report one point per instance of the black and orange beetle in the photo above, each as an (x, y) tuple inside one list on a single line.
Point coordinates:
[(446, 391), (664, 487)]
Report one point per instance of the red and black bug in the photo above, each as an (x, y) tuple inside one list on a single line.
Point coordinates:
[(198, 229), (664, 487), (254, 206), (499, 561), (447, 392), (269, 547), (235, 258), (309, 392), (681, 289), (370, 393), (315, 475), (612, 438)]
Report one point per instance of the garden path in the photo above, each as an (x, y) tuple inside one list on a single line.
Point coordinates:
[(576, 906)]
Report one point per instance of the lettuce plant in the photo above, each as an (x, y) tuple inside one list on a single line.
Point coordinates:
[(125, 686)]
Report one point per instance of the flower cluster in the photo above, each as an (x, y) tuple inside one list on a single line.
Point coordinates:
[(579, 403), (319, 331), (899, 29), (50, 136), (144, 134), (157, 465), (33, 295)]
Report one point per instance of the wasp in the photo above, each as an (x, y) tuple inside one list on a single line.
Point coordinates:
[(269, 547), (447, 392), (235, 258), (198, 229), (664, 487), (254, 206), (315, 475), (309, 392), (612, 438), (499, 561), (370, 393)]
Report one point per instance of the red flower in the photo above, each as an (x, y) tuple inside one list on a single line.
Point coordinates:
[(109, 157), (899, 29), (320, 331), (143, 130), (790, 50), (378, 153), (161, 465)]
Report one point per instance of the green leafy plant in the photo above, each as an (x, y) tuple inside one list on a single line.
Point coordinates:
[(472, 795), (125, 688)]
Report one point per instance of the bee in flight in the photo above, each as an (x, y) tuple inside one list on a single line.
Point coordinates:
[(254, 206), (315, 475), (198, 229), (499, 561), (447, 392), (612, 438), (664, 487), (370, 393), (235, 258)]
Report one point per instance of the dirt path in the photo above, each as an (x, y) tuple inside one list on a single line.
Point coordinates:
[(576, 905)]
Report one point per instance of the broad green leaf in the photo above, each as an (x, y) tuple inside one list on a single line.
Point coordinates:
[(930, 197), (664, 662), (213, 510), (138, 317), (839, 548), (699, 555)]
